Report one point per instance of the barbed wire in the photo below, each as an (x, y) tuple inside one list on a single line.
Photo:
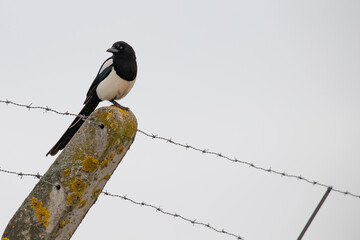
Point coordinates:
[(21, 175), (204, 151), (159, 209), (249, 164), (46, 109), (124, 197)]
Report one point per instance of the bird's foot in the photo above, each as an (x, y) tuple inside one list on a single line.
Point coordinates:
[(116, 104)]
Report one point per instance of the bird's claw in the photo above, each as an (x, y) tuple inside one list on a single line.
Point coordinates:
[(116, 104)]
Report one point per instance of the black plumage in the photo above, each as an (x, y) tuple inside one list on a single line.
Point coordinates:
[(114, 80)]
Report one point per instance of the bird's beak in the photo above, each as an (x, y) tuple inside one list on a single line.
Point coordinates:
[(112, 50)]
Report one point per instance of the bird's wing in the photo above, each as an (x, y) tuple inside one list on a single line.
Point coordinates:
[(104, 71)]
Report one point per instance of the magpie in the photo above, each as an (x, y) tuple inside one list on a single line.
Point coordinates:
[(113, 81)]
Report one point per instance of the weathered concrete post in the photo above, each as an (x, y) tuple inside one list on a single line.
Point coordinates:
[(78, 175)]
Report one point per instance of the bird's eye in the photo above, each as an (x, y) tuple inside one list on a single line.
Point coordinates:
[(120, 47)]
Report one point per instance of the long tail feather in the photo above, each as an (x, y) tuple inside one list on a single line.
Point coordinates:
[(89, 107)]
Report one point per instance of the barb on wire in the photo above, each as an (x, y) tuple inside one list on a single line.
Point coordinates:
[(176, 215), (21, 175), (250, 164), (204, 151), (124, 197), (46, 109)]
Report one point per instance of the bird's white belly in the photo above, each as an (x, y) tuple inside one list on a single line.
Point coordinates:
[(113, 87)]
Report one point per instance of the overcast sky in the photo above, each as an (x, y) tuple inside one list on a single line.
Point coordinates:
[(276, 83)]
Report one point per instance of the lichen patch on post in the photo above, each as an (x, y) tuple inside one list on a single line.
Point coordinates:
[(108, 159), (121, 110), (79, 155), (120, 150), (106, 177), (90, 164), (66, 172), (74, 198), (63, 223), (95, 192), (105, 163), (78, 185), (108, 115), (42, 214), (82, 203), (114, 125)]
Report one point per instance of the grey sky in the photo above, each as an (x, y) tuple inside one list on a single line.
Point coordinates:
[(270, 82)]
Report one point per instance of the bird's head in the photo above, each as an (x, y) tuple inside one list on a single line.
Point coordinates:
[(123, 50)]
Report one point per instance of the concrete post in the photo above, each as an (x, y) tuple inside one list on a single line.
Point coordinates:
[(77, 177)]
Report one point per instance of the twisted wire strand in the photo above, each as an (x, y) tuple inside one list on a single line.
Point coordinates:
[(175, 215), (21, 175), (124, 197), (204, 151), (249, 164)]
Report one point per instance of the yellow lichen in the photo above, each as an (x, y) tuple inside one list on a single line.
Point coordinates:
[(78, 185), (90, 164), (82, 204), (95, 192), (106, 177), (108, 159), (66, 172), (74, 198), (42, 214), (105, 163), (121, 110), (5, 238), (108, 115), (120, 150), (114, 125), (35, 203), (79, 155), (63, 223)]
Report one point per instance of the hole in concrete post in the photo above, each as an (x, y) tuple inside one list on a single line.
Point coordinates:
[(101, 126), (58, 187)]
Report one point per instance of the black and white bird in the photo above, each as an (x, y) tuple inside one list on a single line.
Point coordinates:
[(114, 80)]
